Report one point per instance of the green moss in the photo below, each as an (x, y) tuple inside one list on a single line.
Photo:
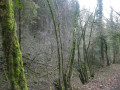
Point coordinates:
[(11, 49)]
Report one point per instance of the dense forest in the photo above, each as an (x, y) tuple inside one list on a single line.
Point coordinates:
[(58, 45)]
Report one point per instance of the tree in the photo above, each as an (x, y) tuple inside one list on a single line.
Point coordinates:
[(103, 44), (114, 34), (99, 23), (65, 74), (11, 47)]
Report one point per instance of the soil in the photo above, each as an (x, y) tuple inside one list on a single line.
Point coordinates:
[(107, 78)]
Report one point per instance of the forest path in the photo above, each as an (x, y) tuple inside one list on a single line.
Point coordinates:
[(107, 78)]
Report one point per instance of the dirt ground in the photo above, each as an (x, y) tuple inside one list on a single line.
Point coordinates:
[(107, 78)]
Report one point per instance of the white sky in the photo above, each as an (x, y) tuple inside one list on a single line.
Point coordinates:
[(91, 4)]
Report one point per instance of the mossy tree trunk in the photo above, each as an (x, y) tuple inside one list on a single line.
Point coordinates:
[(19, 12), (11, 48)]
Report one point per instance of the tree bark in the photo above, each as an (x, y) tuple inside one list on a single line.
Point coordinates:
[(11, 48), (19, 12)]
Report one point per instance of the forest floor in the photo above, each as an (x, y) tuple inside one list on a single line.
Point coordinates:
[(107, 78)]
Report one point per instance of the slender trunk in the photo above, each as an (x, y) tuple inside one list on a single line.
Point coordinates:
[(57, 40), (11, 49), (114, 49), (102, 51), (72, 58), (106, 50)]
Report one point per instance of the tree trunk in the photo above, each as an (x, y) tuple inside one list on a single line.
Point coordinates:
[(19, 12), (11, 48)]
